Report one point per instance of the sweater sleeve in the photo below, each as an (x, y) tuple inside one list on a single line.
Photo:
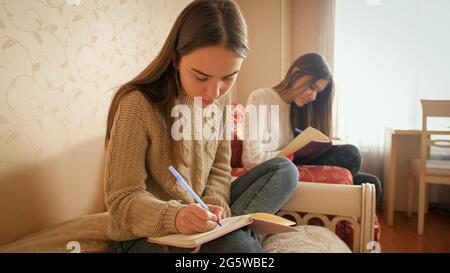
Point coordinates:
[(218, 184), (253, 152), (130, 205)]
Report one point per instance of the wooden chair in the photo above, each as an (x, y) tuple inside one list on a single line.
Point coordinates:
[(425, 170)]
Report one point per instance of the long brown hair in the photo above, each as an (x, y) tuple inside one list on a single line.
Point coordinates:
[(202, 23), (318, 113)]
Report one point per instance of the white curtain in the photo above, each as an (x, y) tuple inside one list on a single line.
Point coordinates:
[(326, 37), (388, 55)]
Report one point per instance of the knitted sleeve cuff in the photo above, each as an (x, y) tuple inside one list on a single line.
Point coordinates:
[(170, 215)]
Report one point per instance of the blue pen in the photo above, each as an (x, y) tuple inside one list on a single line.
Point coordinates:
[(298, 130), (189, 190)]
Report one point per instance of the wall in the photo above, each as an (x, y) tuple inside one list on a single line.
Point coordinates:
[(263, 64), (279, 32), (313, 28), (305, 27), (58, 67)]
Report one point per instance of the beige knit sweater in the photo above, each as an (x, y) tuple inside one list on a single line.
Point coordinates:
[(141, 195)]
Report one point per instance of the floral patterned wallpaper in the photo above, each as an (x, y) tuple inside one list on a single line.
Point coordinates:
[(60, 63)]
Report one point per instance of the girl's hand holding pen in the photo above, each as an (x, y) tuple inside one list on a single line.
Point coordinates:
[(193, 218), (217, 210)]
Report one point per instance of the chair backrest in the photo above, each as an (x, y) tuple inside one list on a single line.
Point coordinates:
[(436, 108), (433, 108)]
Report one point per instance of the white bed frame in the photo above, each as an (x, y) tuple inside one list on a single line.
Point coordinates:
[(345, 202), (317, 200)]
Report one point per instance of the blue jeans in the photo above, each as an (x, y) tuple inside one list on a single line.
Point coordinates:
[(265, 188)]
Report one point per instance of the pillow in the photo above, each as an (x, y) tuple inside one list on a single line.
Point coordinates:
[(308, 239), (325, 174)]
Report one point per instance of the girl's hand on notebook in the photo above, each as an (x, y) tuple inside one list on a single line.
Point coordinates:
[(193, 219)]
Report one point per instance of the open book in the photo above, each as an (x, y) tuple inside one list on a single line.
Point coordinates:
[(308, 145), (260, 223)]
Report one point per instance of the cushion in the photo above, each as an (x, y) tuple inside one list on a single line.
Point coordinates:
[(236, 144), (313, 173), (308, 239), (87, 231), (325, 174)]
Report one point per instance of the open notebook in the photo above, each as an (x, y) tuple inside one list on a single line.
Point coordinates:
[(260, 223), (308, 145)]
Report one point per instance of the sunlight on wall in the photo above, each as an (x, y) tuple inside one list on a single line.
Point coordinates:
[(388, 56)]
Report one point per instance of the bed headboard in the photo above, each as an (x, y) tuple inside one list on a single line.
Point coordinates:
[(355, 204)]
